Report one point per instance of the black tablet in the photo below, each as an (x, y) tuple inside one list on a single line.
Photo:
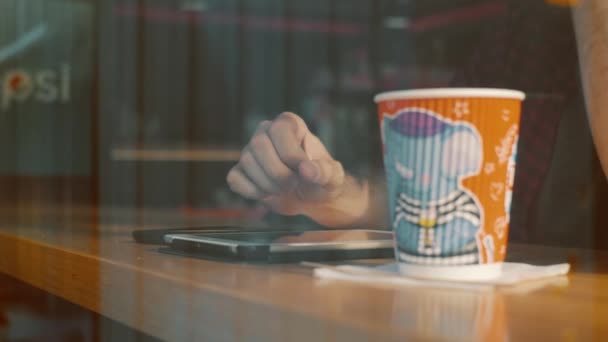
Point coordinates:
[(316, 245), (156, 236)]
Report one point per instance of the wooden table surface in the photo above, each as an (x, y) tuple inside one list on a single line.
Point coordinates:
[(91, 260)]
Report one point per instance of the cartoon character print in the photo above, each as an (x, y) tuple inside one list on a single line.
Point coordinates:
[(510, 178), (426, 158)]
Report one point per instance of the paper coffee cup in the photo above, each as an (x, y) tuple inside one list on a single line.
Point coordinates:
[(449, 156)]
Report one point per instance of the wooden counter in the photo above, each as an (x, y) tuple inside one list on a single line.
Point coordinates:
[(91, 260)]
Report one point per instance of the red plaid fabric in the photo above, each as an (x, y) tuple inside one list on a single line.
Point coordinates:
[(533, 49)]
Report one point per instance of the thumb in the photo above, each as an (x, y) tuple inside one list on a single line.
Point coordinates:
[(326, 173), (314, 148)]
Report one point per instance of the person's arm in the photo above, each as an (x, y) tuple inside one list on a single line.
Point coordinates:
[(591, 25), (289, 169)]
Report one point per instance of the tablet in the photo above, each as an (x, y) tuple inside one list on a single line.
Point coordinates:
[(316, 245), (156, 236)]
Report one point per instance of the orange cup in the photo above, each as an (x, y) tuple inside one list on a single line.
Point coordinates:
[(449, 156)]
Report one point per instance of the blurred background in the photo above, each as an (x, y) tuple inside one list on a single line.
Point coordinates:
[(147, 103)]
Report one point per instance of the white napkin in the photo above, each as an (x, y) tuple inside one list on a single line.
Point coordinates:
[(511, 274)]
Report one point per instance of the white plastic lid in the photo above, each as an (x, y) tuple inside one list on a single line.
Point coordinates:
[(449, 92)]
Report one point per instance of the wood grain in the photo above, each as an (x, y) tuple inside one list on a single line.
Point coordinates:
[(97, 266)]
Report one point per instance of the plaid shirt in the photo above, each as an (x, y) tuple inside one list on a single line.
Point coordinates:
[(533, 49)]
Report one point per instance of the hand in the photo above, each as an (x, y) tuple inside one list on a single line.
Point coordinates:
[(288, 168)]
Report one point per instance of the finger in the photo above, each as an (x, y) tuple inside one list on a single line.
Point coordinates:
[(314, 148), (287, 133), (327, 173), (267, 157), (262, 127), (239, 183), (256, 174)]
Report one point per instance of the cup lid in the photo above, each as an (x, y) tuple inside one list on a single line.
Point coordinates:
[(430, 93)]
